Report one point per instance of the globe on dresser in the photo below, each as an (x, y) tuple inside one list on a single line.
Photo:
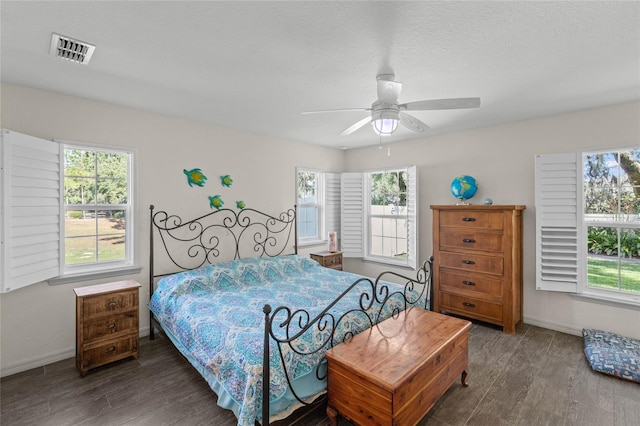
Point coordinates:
[(463, 188)]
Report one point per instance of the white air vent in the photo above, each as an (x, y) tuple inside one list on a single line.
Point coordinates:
[(72, 50)]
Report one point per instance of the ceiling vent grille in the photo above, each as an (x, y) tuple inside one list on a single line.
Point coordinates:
[(70, 49)]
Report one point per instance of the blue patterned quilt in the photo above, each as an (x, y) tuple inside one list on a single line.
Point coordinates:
[(215, 315)]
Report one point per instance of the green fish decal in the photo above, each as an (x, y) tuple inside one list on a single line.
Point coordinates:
[(215, 202), (240, 204), (195, 177), (226, 180)]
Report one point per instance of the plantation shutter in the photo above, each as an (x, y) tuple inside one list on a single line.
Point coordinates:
[(332, 203), (412, 213), (30, 210), (557, 210), (352, 214)]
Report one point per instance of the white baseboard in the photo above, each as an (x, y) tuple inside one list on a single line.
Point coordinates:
[(47, 358), (552, 326)]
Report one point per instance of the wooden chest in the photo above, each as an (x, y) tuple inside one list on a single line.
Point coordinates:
[(107, 326), (393, 373), (477, 270)]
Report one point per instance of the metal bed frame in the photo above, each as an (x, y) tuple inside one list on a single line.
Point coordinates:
[(264, 235)]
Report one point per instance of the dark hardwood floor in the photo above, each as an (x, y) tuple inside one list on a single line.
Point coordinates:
[(536, 377)]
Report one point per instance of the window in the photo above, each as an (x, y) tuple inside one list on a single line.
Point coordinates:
[(588, 224), (318, 201), (309, 205), (611, 221), (379, 220), (388, 215), (97, 208), (67, 212)]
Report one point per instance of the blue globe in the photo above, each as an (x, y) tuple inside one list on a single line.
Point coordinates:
[(464, 187)]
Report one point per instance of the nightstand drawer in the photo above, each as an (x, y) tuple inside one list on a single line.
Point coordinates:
[(108, 304), (95, 356), (328, 259), (110, 326)]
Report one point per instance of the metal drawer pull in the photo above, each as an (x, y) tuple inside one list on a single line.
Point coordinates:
[(111, 304), (471, 283), (468, 240), (468, 305), (468, 262), (110, 349), (111, 326), (468, 219)]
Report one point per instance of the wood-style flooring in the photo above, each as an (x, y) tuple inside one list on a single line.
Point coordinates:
[(535, 377)]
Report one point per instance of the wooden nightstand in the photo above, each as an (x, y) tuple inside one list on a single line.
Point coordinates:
[(107, 327), (328, 259)]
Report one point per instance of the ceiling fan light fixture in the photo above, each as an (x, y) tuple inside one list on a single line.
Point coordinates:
[(385, 126), (384, 121)]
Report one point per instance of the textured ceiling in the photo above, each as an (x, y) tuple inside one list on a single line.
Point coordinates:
[(257, 66)]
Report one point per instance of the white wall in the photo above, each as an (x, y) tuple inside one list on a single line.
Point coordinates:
[(501, 158), (37, 323)]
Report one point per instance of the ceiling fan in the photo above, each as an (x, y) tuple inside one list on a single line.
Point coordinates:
[(386, 113)]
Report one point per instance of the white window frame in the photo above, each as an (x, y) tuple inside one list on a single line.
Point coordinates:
[(327, 205), (100, 266), (355, 222), (561, 230), (318, 205)]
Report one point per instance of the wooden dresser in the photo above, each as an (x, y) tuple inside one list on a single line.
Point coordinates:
[(393, 373), (107, 327), (329, 259), (477, 270)]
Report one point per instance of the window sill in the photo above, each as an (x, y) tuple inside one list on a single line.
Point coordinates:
[(94, 275), (312, 243), (389, 262), (628, 302)]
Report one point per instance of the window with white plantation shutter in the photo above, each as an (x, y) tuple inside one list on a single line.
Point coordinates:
[(30, 210), (363, 228), (558, 256), (352, 214)]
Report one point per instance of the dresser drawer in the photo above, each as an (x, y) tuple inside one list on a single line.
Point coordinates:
[(472, 219), (110, 326), (473, 262), (469, 306), (468, 240), (474, 285), (328, 259), (106, 352), (107, 304)]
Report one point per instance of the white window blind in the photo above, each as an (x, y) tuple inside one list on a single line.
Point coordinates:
[(332, 203), (352, 214), (30, 210), (557, 237), (412, 219)]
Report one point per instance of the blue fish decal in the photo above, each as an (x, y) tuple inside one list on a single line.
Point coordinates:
[(195, 177)]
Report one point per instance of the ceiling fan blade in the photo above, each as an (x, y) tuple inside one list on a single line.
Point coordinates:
[(435, 104), (389, 91), (356, 126), (412, 123), (336, 110)]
